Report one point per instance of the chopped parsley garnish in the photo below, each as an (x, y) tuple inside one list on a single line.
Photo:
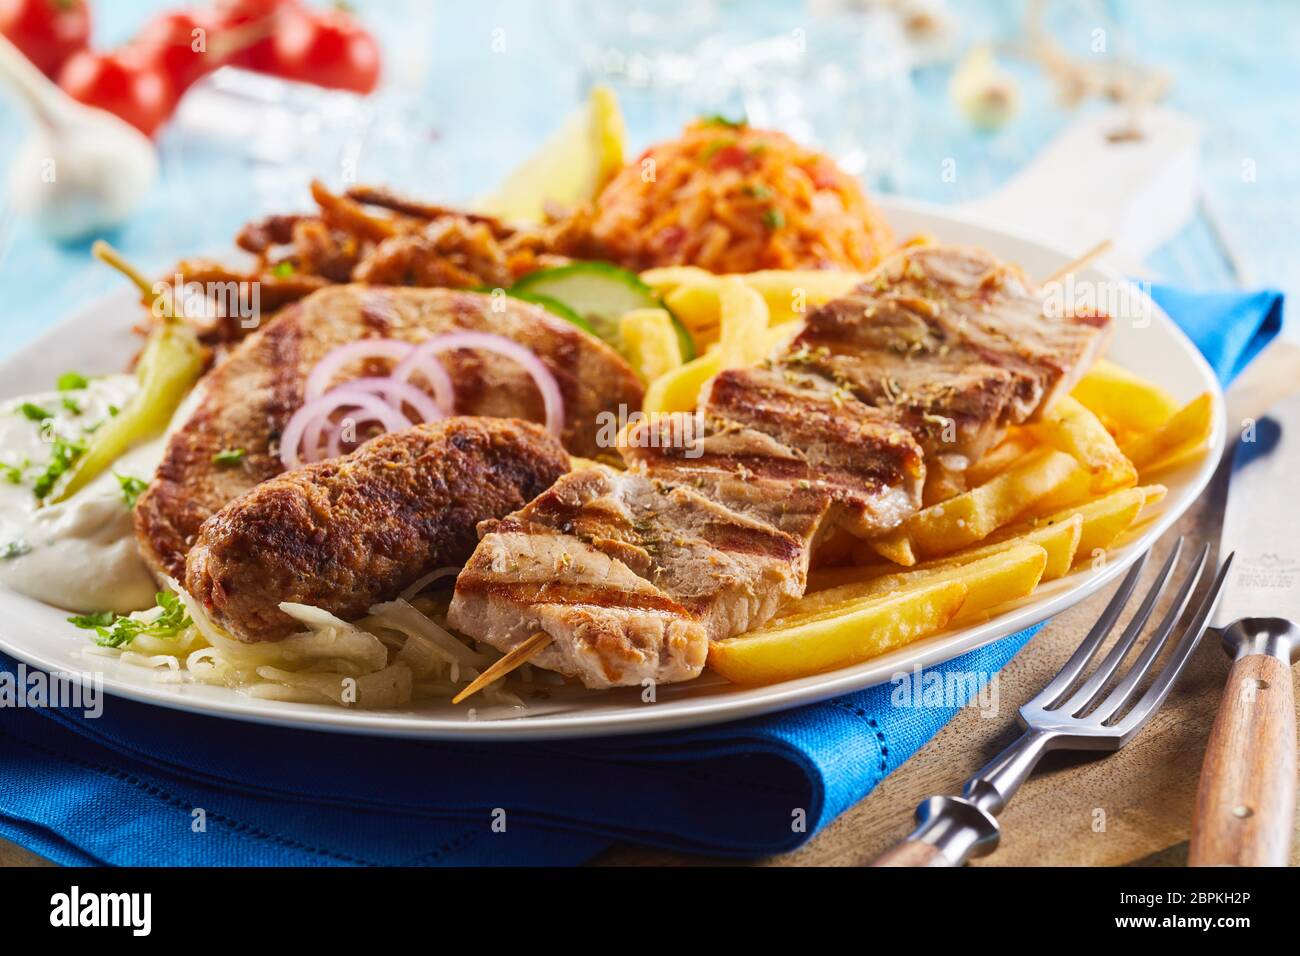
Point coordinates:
[(717, 119), (114, 631), (282, 270), (228, 457), (132, 488), (773, 218), (35, 412), (63, 457), (757, 191), (71, 405), (13, 473), (14, 549), (71, 381), (113, 411)]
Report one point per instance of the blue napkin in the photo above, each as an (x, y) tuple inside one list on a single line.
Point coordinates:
[(143, 785)]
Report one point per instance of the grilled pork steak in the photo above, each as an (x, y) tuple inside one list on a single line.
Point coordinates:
[(935, 355), (952, 344), (631, 576), (249, 397), (349, 532)]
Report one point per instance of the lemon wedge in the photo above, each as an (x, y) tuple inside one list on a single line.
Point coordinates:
[(569, 168)]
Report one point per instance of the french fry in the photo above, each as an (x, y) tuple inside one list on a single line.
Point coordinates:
[(697, 305), (868, 629), (1071, 427), (679, 390), (1190, 427), (974, 515), (1002, 574), (1076, 489), (1124, 401), (1060, 540), (1015, 445), (743, 320), (792, 294), (650, 342), (695, 296), (664, 280), (1105, 519), (1175, 459)]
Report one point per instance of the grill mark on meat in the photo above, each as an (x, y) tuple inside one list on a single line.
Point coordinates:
[(551, 592)]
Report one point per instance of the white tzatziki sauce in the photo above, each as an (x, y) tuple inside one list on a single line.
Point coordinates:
[(80, 554)]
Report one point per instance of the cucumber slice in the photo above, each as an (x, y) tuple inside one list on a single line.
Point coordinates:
[(553, 306), (600, 293)]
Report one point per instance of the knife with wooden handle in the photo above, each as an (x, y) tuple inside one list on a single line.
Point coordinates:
[(1245, 805)]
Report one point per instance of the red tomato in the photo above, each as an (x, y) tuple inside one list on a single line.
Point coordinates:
[(47, 31), (254, 21), (139, 93), (179, 44), (328, 48)]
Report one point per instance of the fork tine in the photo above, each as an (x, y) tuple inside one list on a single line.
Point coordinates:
[(1068, 674), (1159, 689), (1096, 682), (1122, 692)]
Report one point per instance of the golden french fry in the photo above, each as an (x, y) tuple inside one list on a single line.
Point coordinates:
[(1105, 519), (868, 629), (697, 305), (1076, 489), (1060, 540), (679, 390), (1124, 401), (744, 319), (1191, 425), (974, 515), (650, 342), (1015, 445), (793, 294), (1000, 575), (1176, 458), (1070, 427), (664, 280)]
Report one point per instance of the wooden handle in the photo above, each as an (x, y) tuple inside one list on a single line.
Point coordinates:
[(912, 853), (1246, 799)]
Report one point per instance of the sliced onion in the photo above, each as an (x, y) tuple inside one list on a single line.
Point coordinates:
[(434, 373), (328, 367), (428, 579), (552, 399), (392, 419), (397, 394)]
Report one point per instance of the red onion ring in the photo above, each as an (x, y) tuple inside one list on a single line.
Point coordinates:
[(322, 407), (552, 399), (397, 394), (319, 379)]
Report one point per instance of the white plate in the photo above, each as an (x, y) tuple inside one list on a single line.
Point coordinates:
[(97, 339)]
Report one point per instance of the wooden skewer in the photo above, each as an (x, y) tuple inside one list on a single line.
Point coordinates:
[(515, 657), (1085, 260)]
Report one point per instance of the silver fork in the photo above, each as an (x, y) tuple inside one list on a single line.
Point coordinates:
[(951, 830)]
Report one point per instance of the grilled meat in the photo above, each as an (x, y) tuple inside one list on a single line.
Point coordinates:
[(349, 532), (787, 447), (248, 399), (931, 359), (631, 576), (952, 344)]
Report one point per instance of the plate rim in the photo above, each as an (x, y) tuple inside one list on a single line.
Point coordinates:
[(702, 712)]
